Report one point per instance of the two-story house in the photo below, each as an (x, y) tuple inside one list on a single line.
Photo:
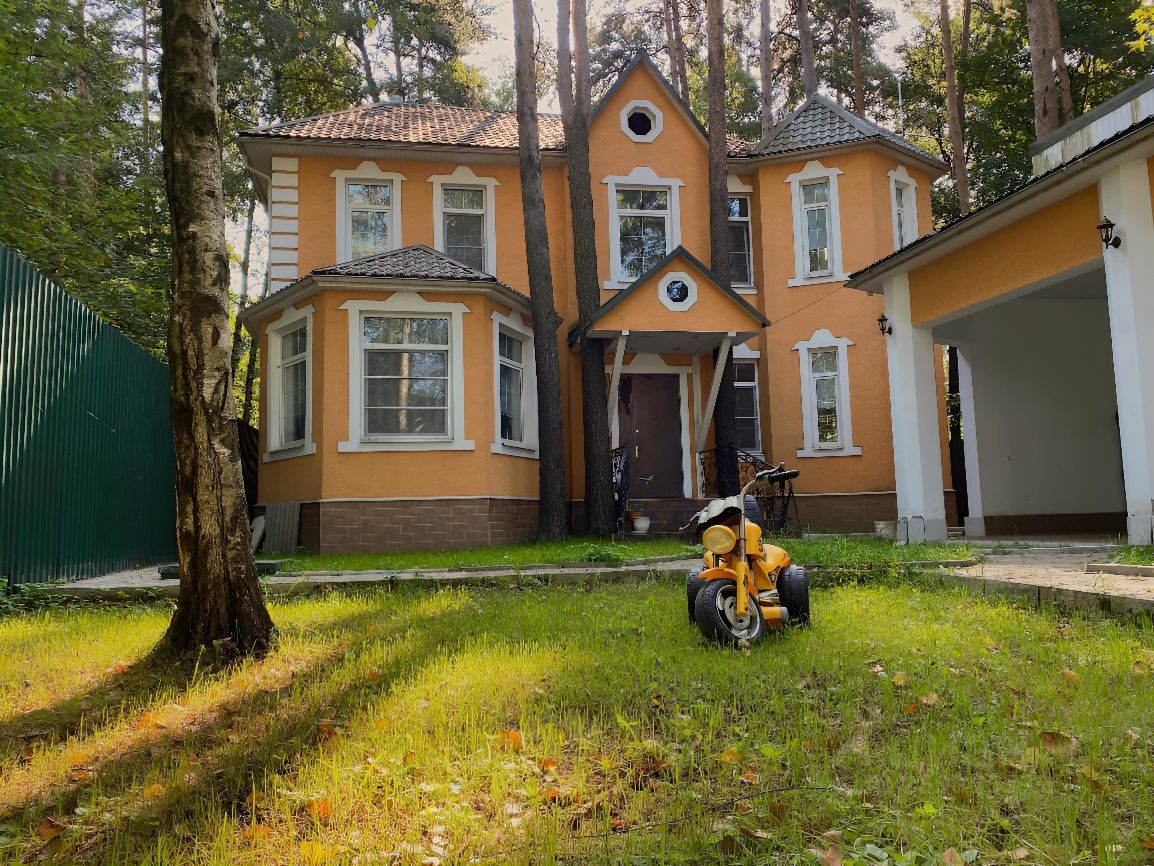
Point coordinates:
[(398, 398)]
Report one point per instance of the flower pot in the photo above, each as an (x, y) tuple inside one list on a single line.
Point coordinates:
[(640, 525)]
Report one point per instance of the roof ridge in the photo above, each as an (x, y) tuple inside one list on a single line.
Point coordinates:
[(388, 105)]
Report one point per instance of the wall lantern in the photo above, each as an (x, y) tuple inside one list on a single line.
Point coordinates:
[(884, 325), (1106, 229)]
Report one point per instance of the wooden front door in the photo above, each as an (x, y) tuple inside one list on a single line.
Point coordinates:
[(650, 421)]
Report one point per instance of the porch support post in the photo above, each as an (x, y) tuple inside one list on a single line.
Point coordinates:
[(715, 386), (615, 377), (1124, 193), (975, 520), (914, 414)]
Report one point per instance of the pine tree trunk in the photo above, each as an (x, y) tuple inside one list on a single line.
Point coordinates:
[(1054, 26), (954, 113), (724, 419), (679, 51), (1042, 68), (667, 23), (552, 519), (766, 65), (855, 43), (574, 86), (805, 38), (220, 600)]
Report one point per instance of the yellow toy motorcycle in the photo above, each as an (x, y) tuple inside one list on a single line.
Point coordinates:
[(745, 586)]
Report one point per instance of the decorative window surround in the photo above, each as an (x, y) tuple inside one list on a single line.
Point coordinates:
[(367, 172), (655, 118), (515, 325), (663, 295), (823, 339), (742, 353), (906, 221), (282, 223), (739, 189), (815, 171), (288, 322), (463, 176), (400, 304), (642, 176)]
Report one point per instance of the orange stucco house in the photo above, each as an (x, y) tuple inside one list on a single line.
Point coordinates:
[(396, 342)]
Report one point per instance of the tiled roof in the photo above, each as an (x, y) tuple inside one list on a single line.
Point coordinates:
[(820, 122), (403, 123), (416, 262)]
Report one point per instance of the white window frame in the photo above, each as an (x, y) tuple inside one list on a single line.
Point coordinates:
[(406, 304), (275, 448), (744, 288), (822, 339), (463, 176), (744, 355), (367, 172), (644, 177), (655, 116), (677, 306), (515, 326), (905, 223), (814, 172)]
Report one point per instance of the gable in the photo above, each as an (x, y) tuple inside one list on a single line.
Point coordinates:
[(642, 85)]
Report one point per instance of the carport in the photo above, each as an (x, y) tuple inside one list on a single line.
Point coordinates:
[(1055, 335)]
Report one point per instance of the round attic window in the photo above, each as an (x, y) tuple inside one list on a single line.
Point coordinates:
[(677, 291), (641, 120)]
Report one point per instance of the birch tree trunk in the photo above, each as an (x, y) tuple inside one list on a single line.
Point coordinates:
[(855, 43), (724, 419), (552, 520), (220, 600), (954, 112), (766, 65), (805, 40)]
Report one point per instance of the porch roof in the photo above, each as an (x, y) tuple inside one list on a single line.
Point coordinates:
[(651, 324)]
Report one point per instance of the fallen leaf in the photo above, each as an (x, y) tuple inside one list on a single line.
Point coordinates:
[(831, 856), (1148, 844), (806, 745), (314, 853), (409, 758), (326, 730), (877, 667), (147, 721), (81, 774), (951, 857), (732, 755), (1069, 677), (751, 778), (48, 828), (912, 707), (154, 790), (550, 794), (779, 809), (257, 831), (1007, 769), (899, 680), (321, 808), (930, 700), (753, 833), (1140, 669), (727, 845), (742, 807), (373, 676), (1059, 743), (510, 739), (117, 668), (546, 765), (383, 724), (1021, 853)]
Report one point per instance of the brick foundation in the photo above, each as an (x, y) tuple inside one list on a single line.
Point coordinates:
[(416, 524)]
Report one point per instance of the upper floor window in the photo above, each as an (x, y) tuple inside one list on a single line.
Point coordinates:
[(747, 404), (903, 192), (643, 229), (289, 399), (406, 376), (825, 395), (463, 214), (740, 242), (816, 225), (368, 211)]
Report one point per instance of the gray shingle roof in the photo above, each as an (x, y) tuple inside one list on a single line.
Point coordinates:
[(820, 122), (416, 262)]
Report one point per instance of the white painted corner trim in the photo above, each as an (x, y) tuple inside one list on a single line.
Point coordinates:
[(289, 321), (655, 116), (823, 339), (901, 175), (367, 172), (515, 325), (641, 176), (412, 304), (815, 171), (464, 176)]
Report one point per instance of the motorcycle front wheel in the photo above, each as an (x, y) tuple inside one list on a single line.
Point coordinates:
[(716, 613)]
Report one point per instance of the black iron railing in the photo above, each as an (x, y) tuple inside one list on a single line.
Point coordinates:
[(748, 465), (774, 500), (620, 464)]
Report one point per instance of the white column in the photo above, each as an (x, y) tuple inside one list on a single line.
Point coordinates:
[(1124, 193), (975, 520), (914, 414)]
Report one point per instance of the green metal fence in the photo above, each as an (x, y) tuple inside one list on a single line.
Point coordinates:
[(86, 464)]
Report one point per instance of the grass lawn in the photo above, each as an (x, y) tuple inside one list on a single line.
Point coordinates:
[(1135, 555), (432, 728), (825, 551)]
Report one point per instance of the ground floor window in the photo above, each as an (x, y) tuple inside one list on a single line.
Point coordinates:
[(825, 395), (748, 422), (289, 405), (406, 376), (511, 384)]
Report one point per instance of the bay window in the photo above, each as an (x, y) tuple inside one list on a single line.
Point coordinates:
[(511, 387), (406, 377)]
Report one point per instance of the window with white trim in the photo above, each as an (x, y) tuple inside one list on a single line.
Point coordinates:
[(289, 409), (463, 222), (825, 396), (747, 405), (642, 215), (900, 216), (816, 225), (406, 372), (903, 195), (293, 373), (511, 387), (740, 242), (369, 215)]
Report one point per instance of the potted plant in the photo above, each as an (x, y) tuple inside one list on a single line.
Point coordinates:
[(637, 519)]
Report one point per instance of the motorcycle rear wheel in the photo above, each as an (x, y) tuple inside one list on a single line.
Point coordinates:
[(693, 585), (716, 614)]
